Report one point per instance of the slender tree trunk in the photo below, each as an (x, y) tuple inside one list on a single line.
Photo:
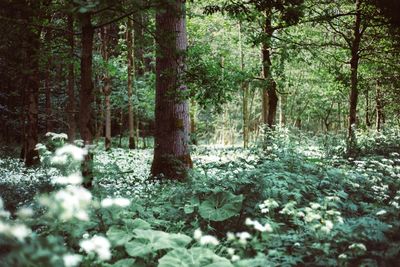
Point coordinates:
[(131, 72), (245, 97), (49, 110), (379, 113), (353, 97), (192, 114), (106, 86), (70, 107), (269, 95), (171, 149), (86, 93), (367, 120)]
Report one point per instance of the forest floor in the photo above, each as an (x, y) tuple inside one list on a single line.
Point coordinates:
[(353, 201)]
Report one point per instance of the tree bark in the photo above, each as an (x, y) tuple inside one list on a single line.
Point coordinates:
[(70, 107), (49, 110), (353, 97), (106, 86), (32, 83), (270, 97), (131, 72), (86, 93), (171, 149)]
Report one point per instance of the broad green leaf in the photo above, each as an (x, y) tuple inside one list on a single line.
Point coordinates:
[(118, 236), (137, 249), (221, 206)]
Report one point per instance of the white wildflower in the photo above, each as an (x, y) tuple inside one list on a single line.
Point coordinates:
[(197, 234), (231, 251), (208, 240), (74, 179), (381, 212), (19, 231), (230, 236), (235, 258), (99, 245), (243, 236), (342, 256), (75, 152), (25, 212), (72, 260), (315, 206), (359, 246), (122, 202)]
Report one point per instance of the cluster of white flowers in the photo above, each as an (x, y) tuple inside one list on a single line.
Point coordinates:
[(119, 201), (57, 136), (381, 212), (267, 205), (72, 260), (73, 179), (205, 240), (243, 236), (63, 153), (231, 252), (98, 245), (70, 202), (258, 226), (359, 246), (17, 231)]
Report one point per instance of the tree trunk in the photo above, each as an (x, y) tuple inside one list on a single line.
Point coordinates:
[(379, 113), (269, 94), (353, 97), (70, 107), (171, 149), (106, 86), (86, 93), (367, 120), (47, 88), (245, 97), (32, 82), (131, 72)]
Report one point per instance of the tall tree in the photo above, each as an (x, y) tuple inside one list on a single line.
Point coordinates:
[(171, 149), (131, 72), (70, 107)]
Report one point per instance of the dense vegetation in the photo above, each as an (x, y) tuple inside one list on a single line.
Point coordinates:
[(199, 133)]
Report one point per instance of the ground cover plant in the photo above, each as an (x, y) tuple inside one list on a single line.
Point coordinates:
[(287, 206)]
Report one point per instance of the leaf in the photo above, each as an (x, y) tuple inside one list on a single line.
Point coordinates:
[(118, 236), (221, 206), (193, 257), (137, 249), (123, 263)]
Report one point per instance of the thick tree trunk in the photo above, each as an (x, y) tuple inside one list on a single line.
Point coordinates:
[(270, 97), (131, 69), (86, 93), (70, 107), (171, 149), (353, 97), (32, 82), (106, 86)]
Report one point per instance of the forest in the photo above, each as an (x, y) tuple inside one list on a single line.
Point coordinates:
[(215, 133)]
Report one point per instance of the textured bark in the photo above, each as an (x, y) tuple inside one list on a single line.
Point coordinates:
[(171, 150), (354, 61), (70, 107), (270, 97), (48, 104), (106, 86), (86, 94), (131, 69), (32, 83)]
